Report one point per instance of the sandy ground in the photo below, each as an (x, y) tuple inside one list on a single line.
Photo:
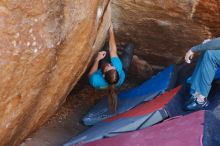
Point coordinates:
[(66, 123)]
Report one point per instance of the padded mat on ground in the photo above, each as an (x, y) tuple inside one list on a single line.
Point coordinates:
[(196, 129), (142, 116)]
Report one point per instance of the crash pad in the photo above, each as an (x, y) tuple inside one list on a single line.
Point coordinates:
[(142, 116), (195, 129)]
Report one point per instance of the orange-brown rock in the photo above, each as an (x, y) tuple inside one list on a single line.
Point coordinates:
[(165, 29), (45, 46)]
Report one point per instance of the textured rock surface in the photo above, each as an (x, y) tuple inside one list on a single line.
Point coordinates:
[(45, 46), (164, 29)]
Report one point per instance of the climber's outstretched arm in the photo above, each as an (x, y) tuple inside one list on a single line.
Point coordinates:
[(112, 43)]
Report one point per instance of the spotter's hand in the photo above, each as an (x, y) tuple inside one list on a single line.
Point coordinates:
[(189, 56)]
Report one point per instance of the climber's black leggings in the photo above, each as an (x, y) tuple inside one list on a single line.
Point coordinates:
[(125, 54)]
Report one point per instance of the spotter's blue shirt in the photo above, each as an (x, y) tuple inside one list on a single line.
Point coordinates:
[(97, 80), (210, 45)]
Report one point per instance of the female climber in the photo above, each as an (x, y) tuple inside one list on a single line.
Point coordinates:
[(108, 70)]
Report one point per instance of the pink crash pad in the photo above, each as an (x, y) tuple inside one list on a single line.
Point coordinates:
[(180, 131)]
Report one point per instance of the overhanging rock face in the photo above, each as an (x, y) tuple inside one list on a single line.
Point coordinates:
[(45, 46), (165, 29)]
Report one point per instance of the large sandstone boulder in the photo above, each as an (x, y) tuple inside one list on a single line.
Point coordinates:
[(165, 29), (45, 46)]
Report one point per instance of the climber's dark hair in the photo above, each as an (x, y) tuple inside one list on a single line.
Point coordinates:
[(112, 78), (112, 99)]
